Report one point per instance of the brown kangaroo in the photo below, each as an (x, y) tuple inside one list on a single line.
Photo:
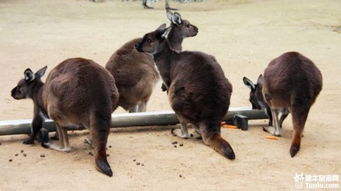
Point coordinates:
[(135, 72), (78, 92), (257, 100), (291, 81), (198, 90)]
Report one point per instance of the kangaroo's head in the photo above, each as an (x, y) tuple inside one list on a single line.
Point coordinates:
[(256, 96), (181, 26), (26, 87), (154, 42)]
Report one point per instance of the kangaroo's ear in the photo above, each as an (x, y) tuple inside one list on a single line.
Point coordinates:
[(260, 79), (178, 18), (166, 32), (40, 73), (174, 18), (28, 75), (249, 83)]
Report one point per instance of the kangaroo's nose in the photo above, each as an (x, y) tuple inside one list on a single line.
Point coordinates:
[(12, 92)]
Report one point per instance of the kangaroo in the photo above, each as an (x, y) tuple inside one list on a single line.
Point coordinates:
[(198, 90), (77, 92), (257, 100), (291, 81), (135, 72)]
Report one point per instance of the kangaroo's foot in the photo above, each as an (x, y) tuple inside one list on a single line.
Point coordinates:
[(179, 133), (56, 147), (272, 131)]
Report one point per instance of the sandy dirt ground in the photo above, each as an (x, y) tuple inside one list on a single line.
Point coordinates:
[(243, 35)]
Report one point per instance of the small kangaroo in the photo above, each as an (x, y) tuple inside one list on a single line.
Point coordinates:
[(257, 100), (198, 90), (77, 92), (135, 72), (292, 82)]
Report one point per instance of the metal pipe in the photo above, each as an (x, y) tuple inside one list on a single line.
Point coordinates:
[(125, 120)]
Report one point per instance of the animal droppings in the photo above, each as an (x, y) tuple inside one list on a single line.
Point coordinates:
[(22, 151), (24, 154), (109, 146), (137, 163), (181, 145), (90, 153), (175, 142), (180, 175), (10, 160), (16, 154), (42, 155), (142, 164), (108, 155), (175, 146), (134, 160)]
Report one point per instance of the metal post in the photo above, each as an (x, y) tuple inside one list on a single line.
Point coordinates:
[(125, 120)]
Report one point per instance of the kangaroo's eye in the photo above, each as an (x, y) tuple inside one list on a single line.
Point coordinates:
[(187, 25), (149, 40)]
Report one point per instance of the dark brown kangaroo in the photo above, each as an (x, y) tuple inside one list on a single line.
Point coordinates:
[(257, 100), (291, 81), (135, 72), (78, 92), (198, 90)]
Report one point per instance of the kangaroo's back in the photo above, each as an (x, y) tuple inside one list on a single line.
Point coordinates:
[(76, 81), (292, 74)]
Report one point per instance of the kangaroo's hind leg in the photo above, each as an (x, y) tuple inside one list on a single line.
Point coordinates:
[(63, 140), (284, 114), (142, 107), (183, 131), (274, 129)]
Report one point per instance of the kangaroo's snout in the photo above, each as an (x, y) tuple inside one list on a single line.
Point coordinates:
[(196, 29), (13, 92)]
